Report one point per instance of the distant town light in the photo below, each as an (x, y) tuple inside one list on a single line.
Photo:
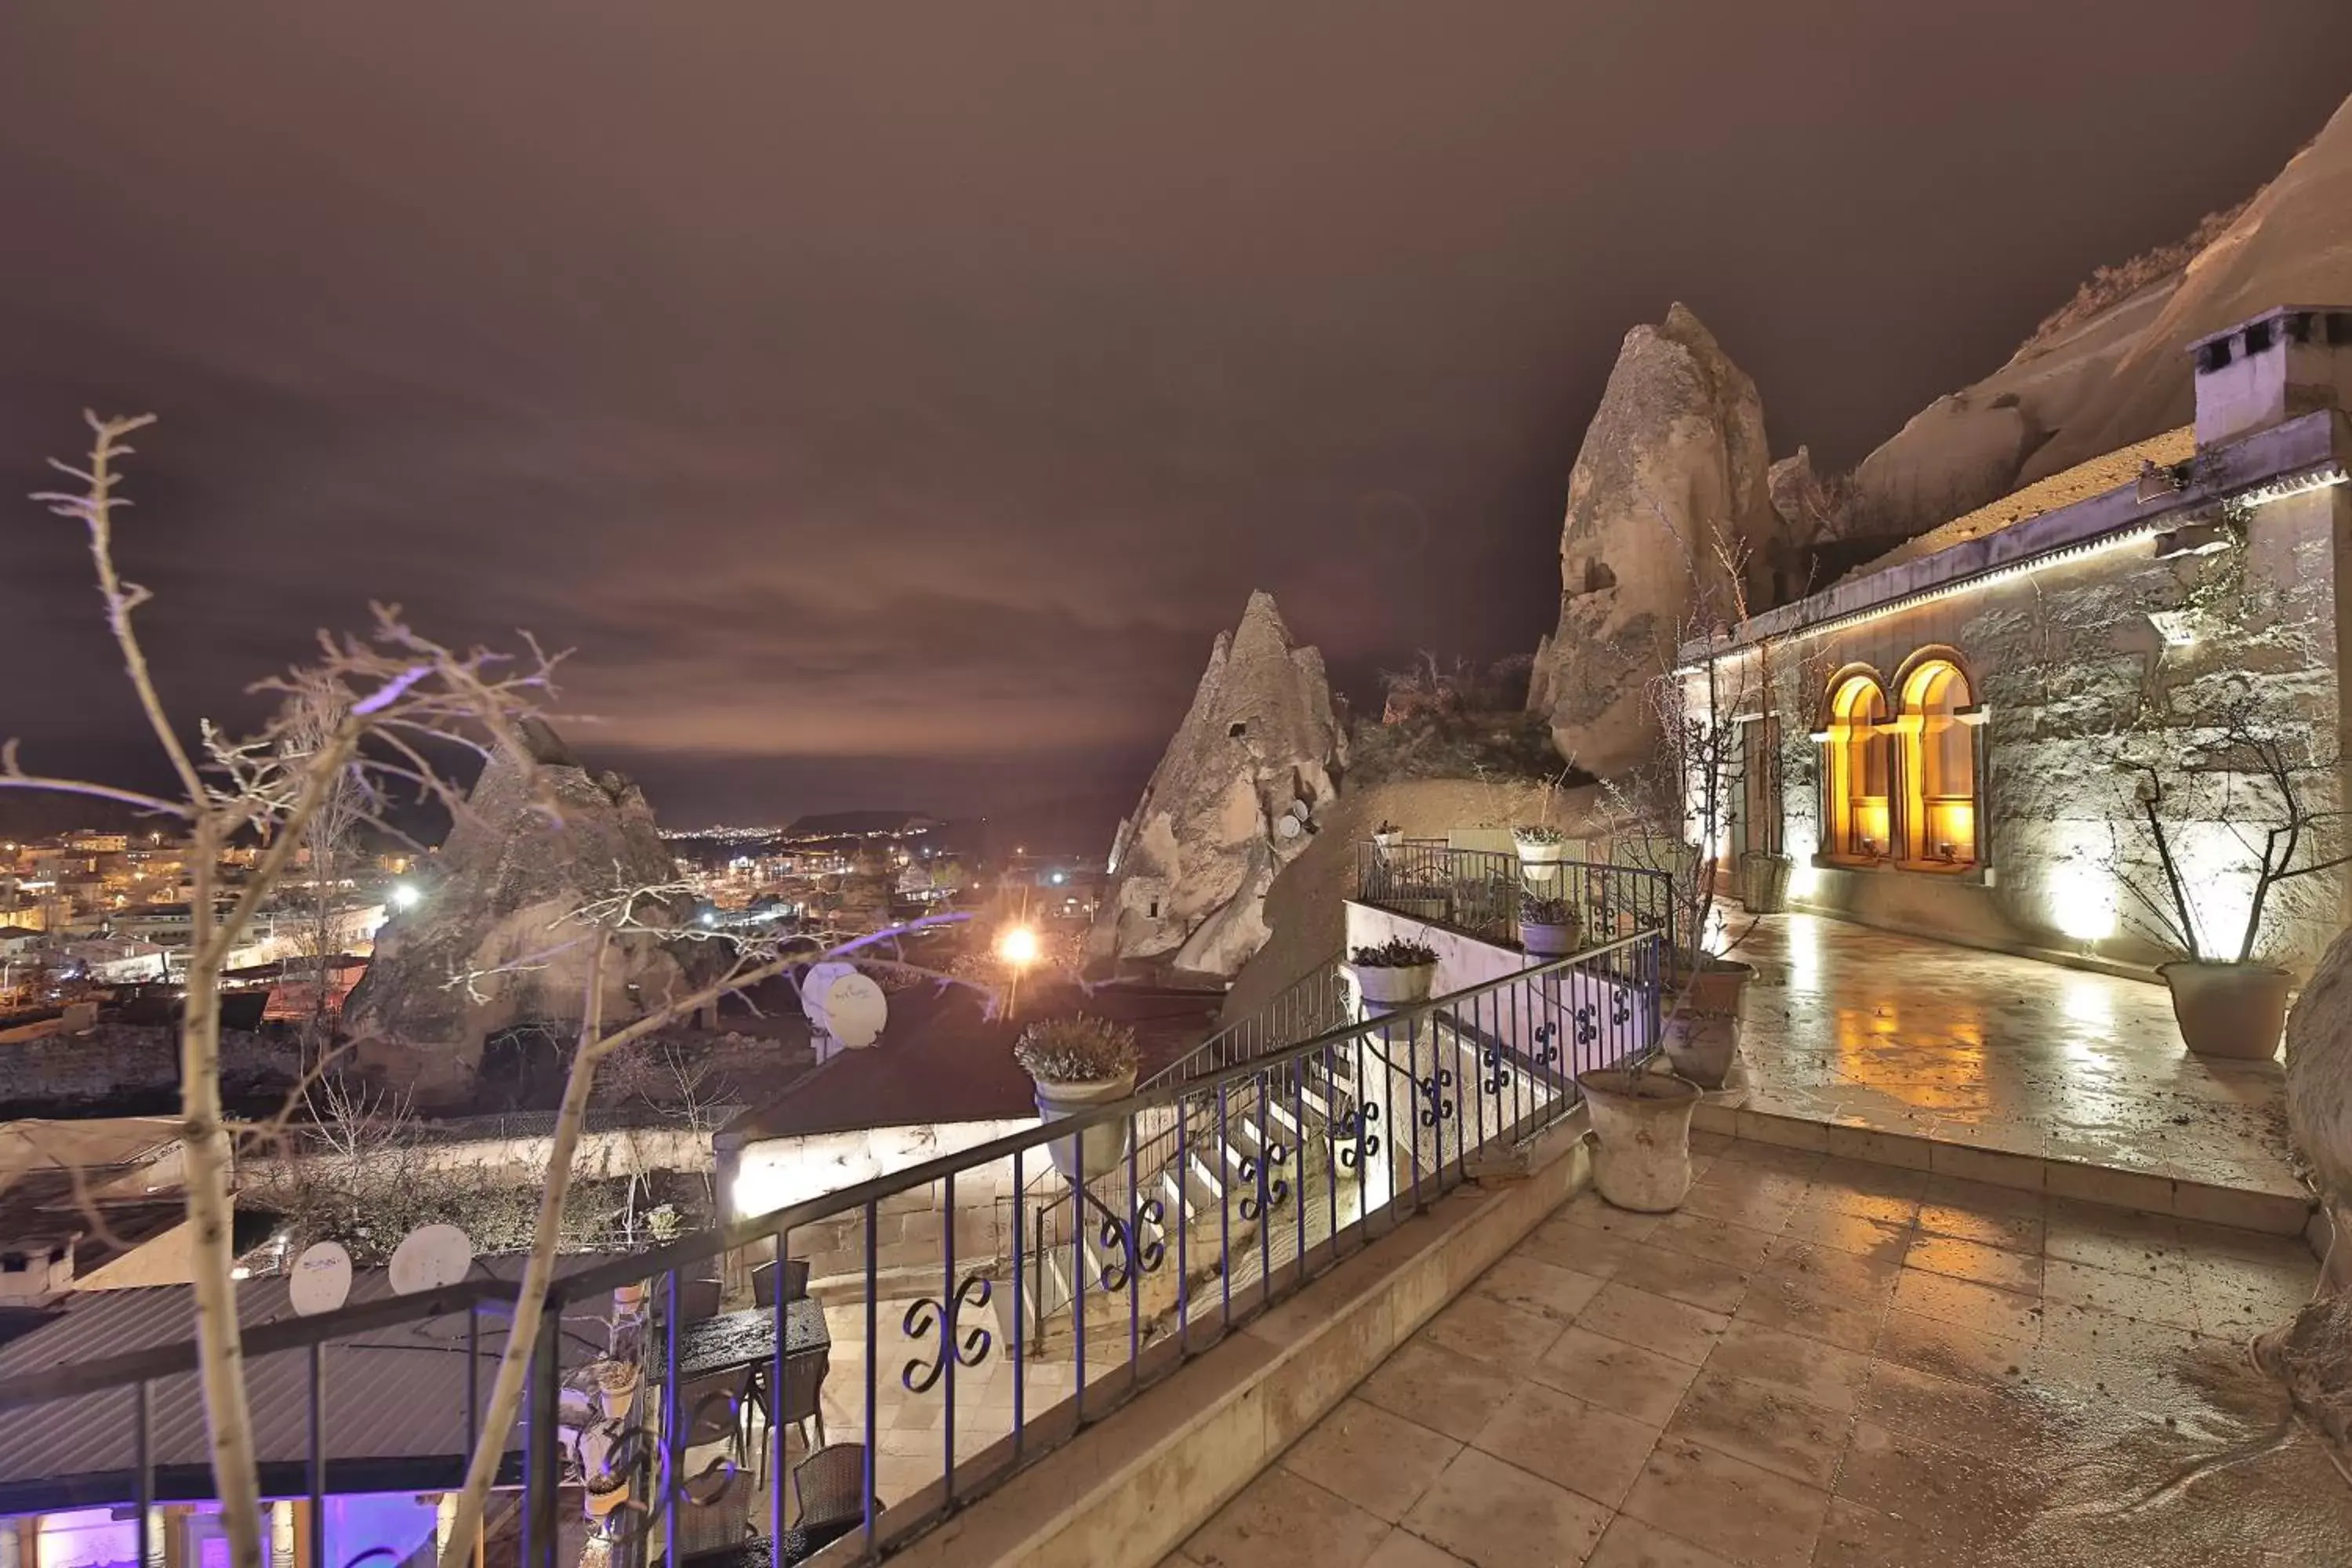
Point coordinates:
[(1059, 878), (405, 895), (1017, 945)]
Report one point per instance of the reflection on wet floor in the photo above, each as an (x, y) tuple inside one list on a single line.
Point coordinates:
[(1866, 1028), (1822, 1361)]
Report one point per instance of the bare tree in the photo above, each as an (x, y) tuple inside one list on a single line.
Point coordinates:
[(361, 723), (322, 934)]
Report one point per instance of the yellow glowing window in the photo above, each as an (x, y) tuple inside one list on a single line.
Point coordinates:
[(1941, 775), (1861, 769)]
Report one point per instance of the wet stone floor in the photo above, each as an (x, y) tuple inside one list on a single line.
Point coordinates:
[(1822, 1361), (1865, 1029)]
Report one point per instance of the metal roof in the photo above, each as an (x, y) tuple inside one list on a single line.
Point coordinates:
[(394, 1399)]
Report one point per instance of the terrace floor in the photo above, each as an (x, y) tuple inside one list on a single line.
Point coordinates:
[(1822, 1361), (1858, 1027)]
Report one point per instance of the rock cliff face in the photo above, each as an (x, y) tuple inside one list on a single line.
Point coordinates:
[(1235, 798), (542, 837), (2119, 375), (1671, 475)]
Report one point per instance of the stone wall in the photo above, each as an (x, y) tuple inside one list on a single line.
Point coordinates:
[(2061, 657)]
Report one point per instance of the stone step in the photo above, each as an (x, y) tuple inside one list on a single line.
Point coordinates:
[(2149, 1191)]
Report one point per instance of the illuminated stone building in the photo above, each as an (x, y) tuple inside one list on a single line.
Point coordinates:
[(1945, 739)]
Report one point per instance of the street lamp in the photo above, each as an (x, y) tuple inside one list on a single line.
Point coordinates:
[(1018, 946)]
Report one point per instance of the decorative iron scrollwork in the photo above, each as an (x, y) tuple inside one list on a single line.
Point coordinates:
[(1272, 1191), (1587, 1029), (926, 1314), (1432, 1088), (1498, 1076), (1355, 1127), (1620, 1009), (1123, 1256)]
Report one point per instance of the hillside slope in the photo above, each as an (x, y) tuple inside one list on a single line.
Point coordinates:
[(2093, 381)]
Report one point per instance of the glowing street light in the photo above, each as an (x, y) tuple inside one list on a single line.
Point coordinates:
[(1017, 945), (405, 895)]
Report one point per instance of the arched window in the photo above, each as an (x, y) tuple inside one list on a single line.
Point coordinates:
[(1938, 724), (1860, 773)]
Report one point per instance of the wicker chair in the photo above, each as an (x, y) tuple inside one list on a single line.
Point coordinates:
[(829, 1486), (763, 1281)]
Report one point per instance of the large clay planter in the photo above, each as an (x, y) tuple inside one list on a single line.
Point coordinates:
[(1541, 940), (1721, 983), (1384, 988), (1534, 853), (1764, 882), (1096, 1151), (1641, 1122), (2235, 1011), (1703, 1046)]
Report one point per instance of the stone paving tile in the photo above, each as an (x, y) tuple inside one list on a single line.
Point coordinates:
[(1630, 1379), (1495, 1515), (1439, 1388), (1728, 1506), (1718, 1241), (1283, 1520), (1582, 1447), (1544, 1289), (1670, 1328), (1630, 1544), (1974, 1261), (1402, 1549), (1485, 1329), (1764, 1425), (1696, 1281), (1373, 1457), (1806, 1369)]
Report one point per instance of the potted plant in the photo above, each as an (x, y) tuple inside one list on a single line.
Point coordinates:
[(1548, 927), (1641, 1130), (1078, 1063), (1396, 974), (2249, 781), (1539, 844), (1387, 834)]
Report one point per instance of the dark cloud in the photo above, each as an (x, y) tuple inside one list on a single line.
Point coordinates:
[(892, 401)]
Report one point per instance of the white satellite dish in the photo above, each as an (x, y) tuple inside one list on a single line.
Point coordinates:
[(843, 1005), (1286, 827), (430, 1258), (321, 1280), (1299, 809)]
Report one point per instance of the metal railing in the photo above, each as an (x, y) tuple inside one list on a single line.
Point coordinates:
[(1484, 894), (1319, 1146)]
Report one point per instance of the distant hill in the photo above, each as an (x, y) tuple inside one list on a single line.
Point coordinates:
[(2110, 366)]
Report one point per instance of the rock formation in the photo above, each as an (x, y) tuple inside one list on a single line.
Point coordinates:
[(1233, 800), (2096, 379), (2314, 1354), (1671, 475), (542, 837)]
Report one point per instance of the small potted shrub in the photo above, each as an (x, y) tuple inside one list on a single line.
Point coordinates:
[(2257, 787), (1078, 1063), (1548, 927), (1387, 834), (1397, 973)]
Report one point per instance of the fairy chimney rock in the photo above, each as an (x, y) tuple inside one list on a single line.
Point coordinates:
[(1241, 788), (1673, 478), (493, 944)]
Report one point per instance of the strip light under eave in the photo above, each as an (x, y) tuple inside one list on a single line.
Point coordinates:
[(2260, 495)]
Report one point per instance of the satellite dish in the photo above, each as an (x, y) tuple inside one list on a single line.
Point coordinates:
[(843, 1005), (1299, 809), (321, 1280), (1286, 827), (430, 1258)]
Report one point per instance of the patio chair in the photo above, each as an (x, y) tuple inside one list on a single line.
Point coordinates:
[(829, 1486), (763, 1281)]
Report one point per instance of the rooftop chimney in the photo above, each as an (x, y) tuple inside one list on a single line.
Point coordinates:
[(2288, 361)]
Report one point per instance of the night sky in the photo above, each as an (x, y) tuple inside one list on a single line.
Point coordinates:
[(889, 402)]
